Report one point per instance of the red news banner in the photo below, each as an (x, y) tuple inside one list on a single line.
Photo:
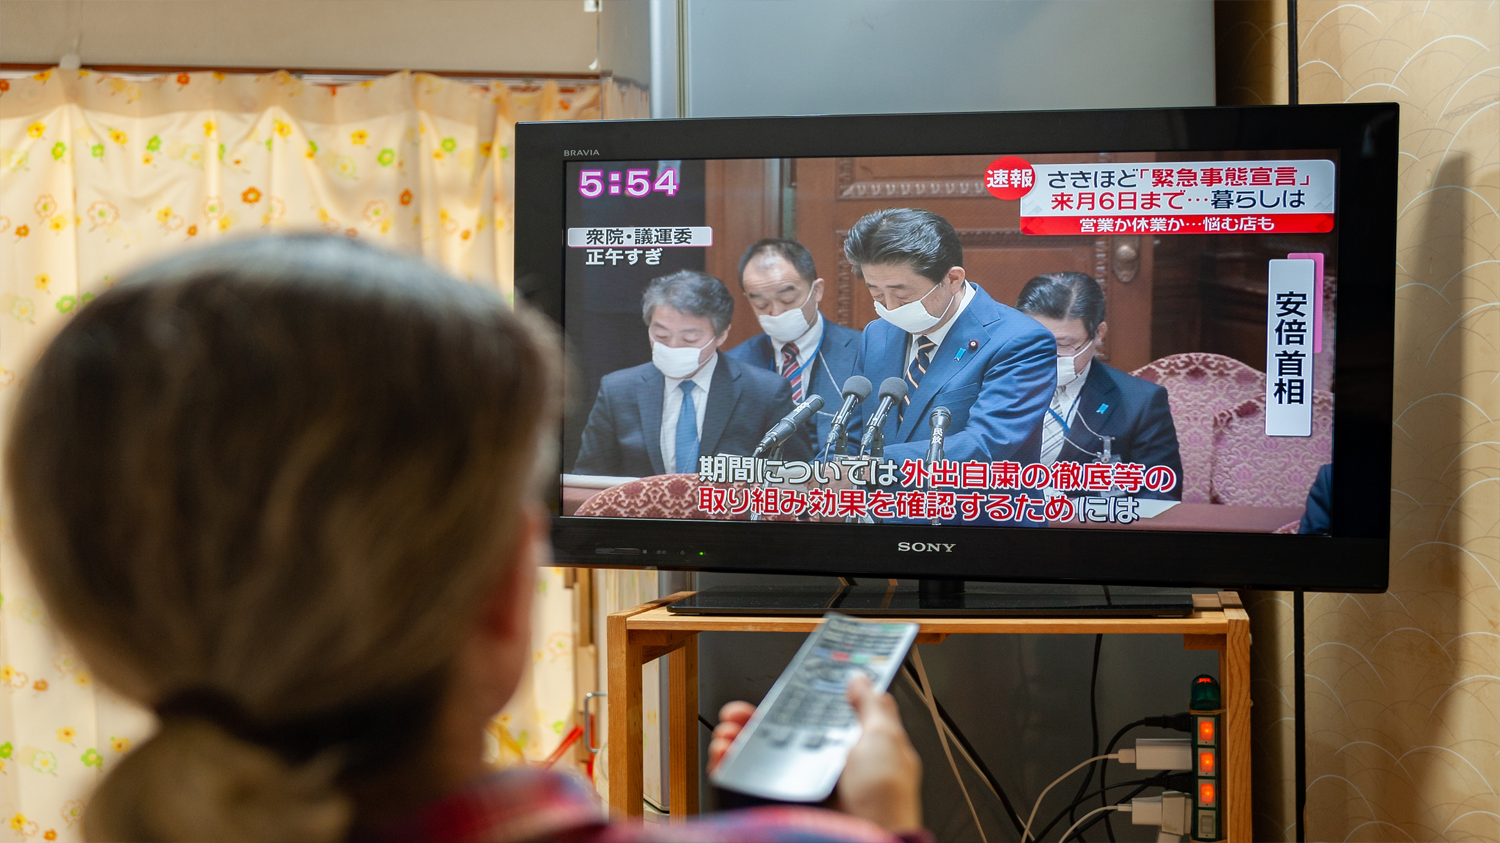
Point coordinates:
[(1197, 197), (945, 490)]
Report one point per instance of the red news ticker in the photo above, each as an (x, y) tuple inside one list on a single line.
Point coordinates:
[(1185, 224)]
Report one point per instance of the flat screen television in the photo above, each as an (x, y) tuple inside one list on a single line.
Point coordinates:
[(1153, 335)]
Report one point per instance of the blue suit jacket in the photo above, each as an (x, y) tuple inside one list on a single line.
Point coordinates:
[(1317, 518), (833, 366), (1132, 411), (623, 433), (996, 391)]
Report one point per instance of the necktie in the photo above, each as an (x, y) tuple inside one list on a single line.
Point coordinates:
[(915, 371), (687, 431), (790, 371), (1052, 430)]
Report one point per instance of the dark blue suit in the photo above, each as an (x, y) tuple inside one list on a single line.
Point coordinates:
[(623, 433), (833, 365), (997, 391), (1132, 411), (1317, 518)]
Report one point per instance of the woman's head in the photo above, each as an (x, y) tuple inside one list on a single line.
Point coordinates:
[(281, 476)]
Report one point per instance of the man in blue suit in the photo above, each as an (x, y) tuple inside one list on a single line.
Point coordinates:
[(956, 347), (659, 417), (814, 355), (1095, 403), (1317, 517)]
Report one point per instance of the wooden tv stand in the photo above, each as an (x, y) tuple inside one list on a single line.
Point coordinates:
[(648, 631)]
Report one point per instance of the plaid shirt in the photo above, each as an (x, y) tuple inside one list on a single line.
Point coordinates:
[(523, 804)]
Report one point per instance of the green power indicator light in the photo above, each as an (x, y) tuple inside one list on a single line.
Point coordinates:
[(700, 553), (1205, 694)]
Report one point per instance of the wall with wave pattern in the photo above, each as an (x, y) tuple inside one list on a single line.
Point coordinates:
[(1403, 689)]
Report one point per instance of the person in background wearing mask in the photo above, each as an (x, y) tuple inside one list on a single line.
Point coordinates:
[(1093, 400), (955, 346), (659, 417), (814, 355)]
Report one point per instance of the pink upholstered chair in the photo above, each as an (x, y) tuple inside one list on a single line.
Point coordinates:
[(1200, 386), (1253, 469), (664, 496)]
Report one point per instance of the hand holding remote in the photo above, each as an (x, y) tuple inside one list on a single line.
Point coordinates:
[(882, 781), (732, 718)]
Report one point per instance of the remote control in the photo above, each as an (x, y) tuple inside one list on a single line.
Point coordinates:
[(795, 745)]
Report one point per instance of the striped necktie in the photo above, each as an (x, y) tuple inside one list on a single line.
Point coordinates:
[(915, 371), (791, 371), (1052, 430)]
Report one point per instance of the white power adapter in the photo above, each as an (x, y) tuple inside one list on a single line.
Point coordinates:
[(1172, 811), (1159, 754)]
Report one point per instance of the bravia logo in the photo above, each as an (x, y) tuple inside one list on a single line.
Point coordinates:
[(924, 547), (579, 153)]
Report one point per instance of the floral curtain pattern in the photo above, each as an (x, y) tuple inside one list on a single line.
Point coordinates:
[(100, 172)]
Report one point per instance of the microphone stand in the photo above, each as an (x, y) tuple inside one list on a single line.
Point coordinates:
[(876, 452), (936, 522), (774, 455), (838, 445), (937, 447)]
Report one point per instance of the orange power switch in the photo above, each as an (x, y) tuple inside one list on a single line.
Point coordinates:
[(1206, 762), (1205, 730), (1206, 794)]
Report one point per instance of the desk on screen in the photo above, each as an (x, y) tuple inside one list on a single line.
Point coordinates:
[(1156, 515)]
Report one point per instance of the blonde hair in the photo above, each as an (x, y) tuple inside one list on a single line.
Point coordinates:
[(264, 488)]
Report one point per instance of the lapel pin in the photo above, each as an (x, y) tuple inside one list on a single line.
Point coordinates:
[(1102, 408), (973, 344)]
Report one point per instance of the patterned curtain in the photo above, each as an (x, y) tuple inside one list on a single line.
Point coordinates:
[(99, 172)]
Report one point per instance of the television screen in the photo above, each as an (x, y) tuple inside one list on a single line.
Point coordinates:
[(1134, 351)]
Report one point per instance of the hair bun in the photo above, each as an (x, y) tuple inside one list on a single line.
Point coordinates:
[(195, 781)]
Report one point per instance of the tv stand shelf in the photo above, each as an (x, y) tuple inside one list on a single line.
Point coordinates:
[(649, 631)]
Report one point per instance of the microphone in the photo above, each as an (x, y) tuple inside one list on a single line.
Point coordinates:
[(856, 389), (778, 434), (940, 420), (891, 391)]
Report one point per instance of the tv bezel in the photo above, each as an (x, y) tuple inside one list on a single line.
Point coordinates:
[(1354, 559)]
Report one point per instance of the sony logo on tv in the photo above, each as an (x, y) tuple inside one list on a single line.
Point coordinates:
[(580, 153), (924, 547)]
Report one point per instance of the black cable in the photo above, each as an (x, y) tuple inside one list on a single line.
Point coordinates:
[(704, 720), (1109, 829), (1291, 51), (963, 741), (1299, 703), (1088, 778)]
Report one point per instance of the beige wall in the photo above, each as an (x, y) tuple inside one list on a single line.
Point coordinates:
[(551, 36), (1403, 688)]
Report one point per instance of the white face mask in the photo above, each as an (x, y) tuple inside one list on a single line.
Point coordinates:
[(677, 362), (1066, 372), (785, 327), (912, 317)]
